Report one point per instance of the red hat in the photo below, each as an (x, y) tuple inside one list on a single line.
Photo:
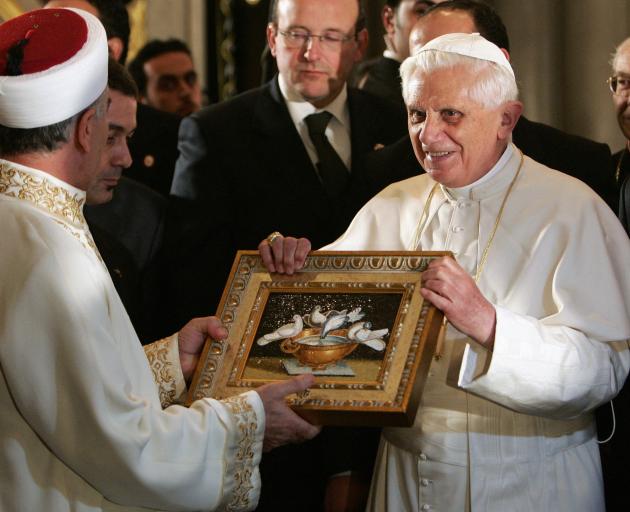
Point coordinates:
[(53, 65)]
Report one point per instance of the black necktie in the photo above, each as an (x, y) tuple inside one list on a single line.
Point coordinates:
[(332, 171)]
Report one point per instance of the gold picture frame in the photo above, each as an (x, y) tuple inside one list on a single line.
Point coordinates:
[(354, 319)]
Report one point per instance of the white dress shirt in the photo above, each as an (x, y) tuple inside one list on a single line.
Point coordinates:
[(338, 129)]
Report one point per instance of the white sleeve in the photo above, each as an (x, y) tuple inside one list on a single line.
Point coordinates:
[(544, 370), (89, 398)]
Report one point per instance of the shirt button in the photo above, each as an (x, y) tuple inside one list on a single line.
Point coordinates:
[(458, 229), (424, 482), (423, 456), (426, 507)]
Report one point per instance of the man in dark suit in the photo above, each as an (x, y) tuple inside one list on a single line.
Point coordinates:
[(615, 419), (125, 217), (265, 161), (381, 75), (582, 158), (250, 164)]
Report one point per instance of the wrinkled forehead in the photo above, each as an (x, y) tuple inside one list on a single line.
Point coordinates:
[(448, 83), (621, 61)]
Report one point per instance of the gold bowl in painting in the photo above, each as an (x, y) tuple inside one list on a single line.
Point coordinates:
[(318, 357)]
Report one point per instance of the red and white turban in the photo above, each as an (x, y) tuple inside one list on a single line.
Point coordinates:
[(53, 65)]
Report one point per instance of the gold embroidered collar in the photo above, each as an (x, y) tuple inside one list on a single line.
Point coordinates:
[(43, 190)]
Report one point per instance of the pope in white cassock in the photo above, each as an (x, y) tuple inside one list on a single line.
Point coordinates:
[(536, 297), (87, 421)]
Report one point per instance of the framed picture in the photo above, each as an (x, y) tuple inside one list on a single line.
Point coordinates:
[(356, 320)]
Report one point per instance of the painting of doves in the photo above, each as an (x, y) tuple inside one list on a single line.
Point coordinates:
[(286, 331)]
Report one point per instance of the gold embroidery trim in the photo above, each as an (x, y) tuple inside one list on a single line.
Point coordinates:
[(247, 424), (65, 206), (42, 193), (162, 368)]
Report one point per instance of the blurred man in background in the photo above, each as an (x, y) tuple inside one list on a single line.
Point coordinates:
[(166, 77)]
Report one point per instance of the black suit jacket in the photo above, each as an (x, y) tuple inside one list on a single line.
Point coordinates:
[(153, 148), (133, 222), (616, 452), (381, 76), (243, 165), (589, 161)]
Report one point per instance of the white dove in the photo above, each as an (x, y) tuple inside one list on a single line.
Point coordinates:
[(355, 315), (354, 328), (365, 334), (286, 331), (316, 318), (334, 321), (361, 333)]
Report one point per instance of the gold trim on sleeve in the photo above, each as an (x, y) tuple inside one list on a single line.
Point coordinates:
[(247, 425), (163, 370)]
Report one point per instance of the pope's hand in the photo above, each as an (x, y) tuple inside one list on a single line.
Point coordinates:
[(191, 340), (451, 289), (282, 425), (282, 254)]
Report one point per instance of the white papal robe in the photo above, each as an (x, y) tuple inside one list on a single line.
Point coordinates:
[(512, 429), (82, 426)]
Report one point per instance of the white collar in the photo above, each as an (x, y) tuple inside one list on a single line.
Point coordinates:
[(299, 108), (487, 184)]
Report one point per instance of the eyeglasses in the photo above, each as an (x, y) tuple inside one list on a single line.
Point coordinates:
[(619, 84), (331, 40)]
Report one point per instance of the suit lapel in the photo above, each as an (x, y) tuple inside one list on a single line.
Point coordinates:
[(279, 142)]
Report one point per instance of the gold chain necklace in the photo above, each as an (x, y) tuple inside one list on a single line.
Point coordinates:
[(424, 218)]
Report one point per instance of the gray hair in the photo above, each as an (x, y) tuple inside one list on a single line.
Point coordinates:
[(16, 141), (494, 84), (624, 45)]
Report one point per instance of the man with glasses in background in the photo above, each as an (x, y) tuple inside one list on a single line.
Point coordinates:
[(616, 420), (619, 84), (286, 156)]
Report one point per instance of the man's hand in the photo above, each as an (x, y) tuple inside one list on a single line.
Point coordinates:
[(284, 255), (282, 425), (191, 339), (449, 288)]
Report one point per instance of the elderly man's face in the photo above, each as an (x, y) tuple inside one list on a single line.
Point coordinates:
[(456, 139), (437, 24), (316, 70), (621, 99), (121, 122)]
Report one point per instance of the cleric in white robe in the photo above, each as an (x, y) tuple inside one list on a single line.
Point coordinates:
[(86, 421), (537, 300)]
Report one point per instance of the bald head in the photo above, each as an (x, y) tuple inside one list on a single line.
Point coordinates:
[(622, 52), (438, 23)]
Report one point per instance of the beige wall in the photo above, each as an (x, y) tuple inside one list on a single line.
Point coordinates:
[(182, 19), (561, 51)]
